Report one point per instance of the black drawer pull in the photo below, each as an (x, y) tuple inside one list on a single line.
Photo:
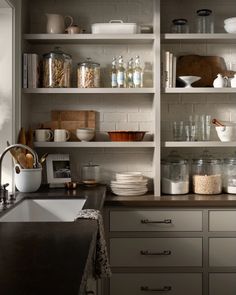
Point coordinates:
[(165, 221), (149, 253), (164, 289)]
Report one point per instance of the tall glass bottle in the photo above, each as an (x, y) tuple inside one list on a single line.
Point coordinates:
[(114, 73), (121, 73), (130, 74), (138, 73)]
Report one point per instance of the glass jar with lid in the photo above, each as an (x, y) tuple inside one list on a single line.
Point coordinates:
[(207, 175), (175, 175), (88, 74), (57, 69), (179, 25), (229, 175), (205, 23), (90, 174)]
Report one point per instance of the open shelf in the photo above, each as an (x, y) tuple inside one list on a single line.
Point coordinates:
[(200, 90), (96, 144), (199, 38), (90, 38), (89, 90), (199, 144)]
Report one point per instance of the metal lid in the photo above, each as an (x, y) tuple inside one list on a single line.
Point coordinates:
[(179, 21), (204, 12), (174, 158), (58, 53), (89, 63), (206, 158), (230, 160)]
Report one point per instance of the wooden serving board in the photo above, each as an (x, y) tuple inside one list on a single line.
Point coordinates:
[(206, 67), (72, 120)]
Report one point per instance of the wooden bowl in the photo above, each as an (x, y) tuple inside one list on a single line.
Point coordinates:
[(126, 135)]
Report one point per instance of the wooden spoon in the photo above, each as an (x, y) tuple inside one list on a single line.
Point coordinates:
[(217, 123)]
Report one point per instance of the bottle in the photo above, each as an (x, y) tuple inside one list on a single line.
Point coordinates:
[(121, 73), (205, 22), (219, 82), (138, 73), (130, 74), (114, 73)]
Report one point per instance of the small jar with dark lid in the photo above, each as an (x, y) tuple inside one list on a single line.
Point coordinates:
[(229, 177), (180, 25), (205, 23)]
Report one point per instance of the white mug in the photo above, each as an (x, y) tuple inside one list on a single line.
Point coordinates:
[(74, 29), (27, 180), (61, 135), (43, 135)]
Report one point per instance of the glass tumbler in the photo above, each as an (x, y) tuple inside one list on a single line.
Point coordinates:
[(178, 130), (91, 174)]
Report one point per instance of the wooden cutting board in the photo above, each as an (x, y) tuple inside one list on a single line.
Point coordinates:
[(206, 67), (71, 120)]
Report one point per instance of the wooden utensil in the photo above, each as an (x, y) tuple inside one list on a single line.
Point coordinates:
[(217, 123), (21, 158), (22, 138), (29, 161)]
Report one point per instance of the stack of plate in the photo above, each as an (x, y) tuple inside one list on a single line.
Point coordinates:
[(129, 184)]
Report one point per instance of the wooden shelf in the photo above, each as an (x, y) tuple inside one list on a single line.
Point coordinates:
[(194, 144), (90, 38), (199, 38), (89, 90), (96, 144), (200, 90)]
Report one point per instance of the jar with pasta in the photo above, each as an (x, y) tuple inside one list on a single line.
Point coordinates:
[(57, 69), (88, 74), (207, 176)]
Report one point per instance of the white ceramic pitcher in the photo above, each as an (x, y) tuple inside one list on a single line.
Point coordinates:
[(56, 23)]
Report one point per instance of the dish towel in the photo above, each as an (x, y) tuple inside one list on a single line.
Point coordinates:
[(102, 266)]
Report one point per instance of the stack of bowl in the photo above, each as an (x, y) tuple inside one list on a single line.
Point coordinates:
[(129, 184), (230, 25)]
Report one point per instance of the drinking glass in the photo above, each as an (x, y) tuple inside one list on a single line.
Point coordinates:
[(178, 130)]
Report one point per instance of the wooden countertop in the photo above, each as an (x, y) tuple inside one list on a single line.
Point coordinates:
[(190, 200)]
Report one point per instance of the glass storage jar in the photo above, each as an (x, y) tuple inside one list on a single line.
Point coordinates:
[(205, 23), (207, 175), (179, 25), (88, 74), (229, 175), (91, 174), (175, 175), (57, 69)]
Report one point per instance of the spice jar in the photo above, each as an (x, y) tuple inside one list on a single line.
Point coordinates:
[(179, 25), (57, 69), (175, 175), (91, 174), (229, 176), (205, 23), (207, 175), (88, 74)]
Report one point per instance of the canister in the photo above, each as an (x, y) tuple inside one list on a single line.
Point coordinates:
[(88, 74), (229, 175), (91, 174)]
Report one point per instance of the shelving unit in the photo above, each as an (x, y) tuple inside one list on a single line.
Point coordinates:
[(203, 144), (89, 90), (200, 90)]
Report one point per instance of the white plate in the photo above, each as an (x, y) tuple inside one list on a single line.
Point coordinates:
[(138, 182), (128, 193)]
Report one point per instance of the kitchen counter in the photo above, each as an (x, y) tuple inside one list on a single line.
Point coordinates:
[(190, 200), (30, 252)]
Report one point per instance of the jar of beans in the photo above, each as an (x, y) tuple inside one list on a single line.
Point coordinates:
[(57, 69), (207, 175), (88, 74)]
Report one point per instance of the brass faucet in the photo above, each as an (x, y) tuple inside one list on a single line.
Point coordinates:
[(36, 164)]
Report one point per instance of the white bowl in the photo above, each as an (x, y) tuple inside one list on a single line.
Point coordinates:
[(230, 20), (85, 134), (189, 80), (230, 28), (226, 133)]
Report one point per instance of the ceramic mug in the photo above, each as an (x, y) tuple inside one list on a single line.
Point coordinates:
[(43, 135), (27, 180), (61, 135), (74, 29)]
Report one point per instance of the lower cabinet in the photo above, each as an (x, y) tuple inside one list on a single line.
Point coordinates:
[(222, 283), (156, 283)]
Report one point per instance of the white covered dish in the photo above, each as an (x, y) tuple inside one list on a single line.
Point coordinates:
[(114, 27)]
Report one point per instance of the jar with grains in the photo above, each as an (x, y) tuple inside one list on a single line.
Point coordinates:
[(88, 74), (175, 175), (229, 175), (207, 176), (57, 69)]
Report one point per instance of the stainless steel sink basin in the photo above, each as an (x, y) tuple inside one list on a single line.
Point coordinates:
[(44, 210)]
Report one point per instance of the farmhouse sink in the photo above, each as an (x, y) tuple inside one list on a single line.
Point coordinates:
[(44, 210)]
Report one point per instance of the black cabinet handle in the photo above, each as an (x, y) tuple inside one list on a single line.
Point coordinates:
[(147, 289), (165, 221), (149, 253)]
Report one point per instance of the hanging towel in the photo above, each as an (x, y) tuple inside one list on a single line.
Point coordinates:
[(102, 266)]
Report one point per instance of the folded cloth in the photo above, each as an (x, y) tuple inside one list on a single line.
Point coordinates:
[(102, 266)]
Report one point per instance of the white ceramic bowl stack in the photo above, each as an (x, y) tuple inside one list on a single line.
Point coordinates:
[(129, 184), (230, 25)]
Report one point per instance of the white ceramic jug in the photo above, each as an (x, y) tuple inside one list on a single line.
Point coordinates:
[(219, 82), (56, 23)]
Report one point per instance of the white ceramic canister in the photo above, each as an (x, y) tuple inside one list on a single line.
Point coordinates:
[(27, 180)]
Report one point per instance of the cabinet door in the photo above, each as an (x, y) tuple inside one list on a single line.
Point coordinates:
[(156, 252), (222, 220), (156, 283), (156, 220), (222, 283), (222, 252)]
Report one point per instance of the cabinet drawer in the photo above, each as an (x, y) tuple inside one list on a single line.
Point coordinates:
[(222, 252), (222, 283), (156, 252), (159, 283), (156, 220), (222, 220)]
